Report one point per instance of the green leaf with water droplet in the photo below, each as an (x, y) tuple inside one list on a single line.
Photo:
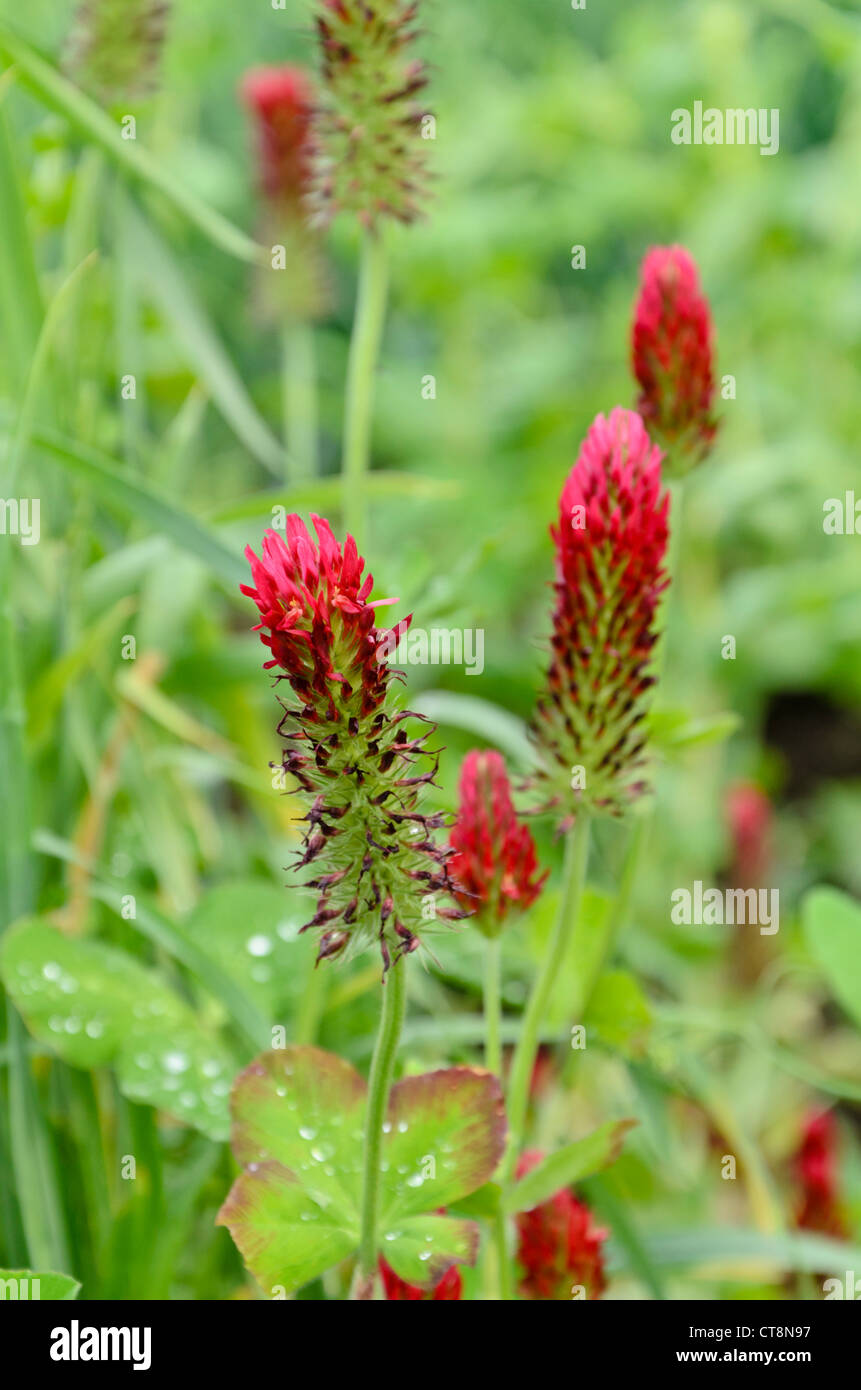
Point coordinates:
[(422, 1248), (181, 1069), (446, 1138), (305, 1109), (285, 1238), (250, 929), (26, 1285), (93, 1005), (298, 1131), (81, 997)]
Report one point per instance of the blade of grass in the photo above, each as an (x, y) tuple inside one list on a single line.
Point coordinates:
[(141, 500), (168, 287), (93, 123)]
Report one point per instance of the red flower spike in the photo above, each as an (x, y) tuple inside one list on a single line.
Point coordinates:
[(448, 1290), (611, 541), (750, 818), (282, 102), (375, 863), (494, 863), (816, 1169), (672, 356), (558, 1247)]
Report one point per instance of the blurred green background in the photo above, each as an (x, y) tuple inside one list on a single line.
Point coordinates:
[(552, 131)]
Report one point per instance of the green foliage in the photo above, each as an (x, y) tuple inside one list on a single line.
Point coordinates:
[(298, 1127)]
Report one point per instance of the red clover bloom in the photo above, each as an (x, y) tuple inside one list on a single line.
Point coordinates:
[(377, 869), (672, 355), (494, 862), (611, 541)]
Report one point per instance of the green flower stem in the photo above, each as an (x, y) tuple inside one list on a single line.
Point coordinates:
[(497, 1267), (382, 1068), (591, 962), (492, 1006), (574, 877), (299, 393), (361, 370)]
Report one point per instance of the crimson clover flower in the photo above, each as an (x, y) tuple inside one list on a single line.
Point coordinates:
[(448, 1289), (672, 356), (281, 99), (816, 1168), (751, 820), (282, 102), (558, 1247), (372, 155), (611, 541), (494, 864), (115, 45), (377, 869)]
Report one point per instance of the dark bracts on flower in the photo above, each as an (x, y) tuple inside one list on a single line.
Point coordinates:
[(114, 47), (672, 352), (610, 541), (376, 867), (495, 865), (372, 154), (558, 1247)]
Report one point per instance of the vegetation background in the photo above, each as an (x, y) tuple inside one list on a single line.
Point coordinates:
[(150, 777)]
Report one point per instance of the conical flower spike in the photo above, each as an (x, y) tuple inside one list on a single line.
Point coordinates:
[(372, 152), (115, 45), (672, 355), (495, 864), (282, 102), (379, 874), (611, 541)]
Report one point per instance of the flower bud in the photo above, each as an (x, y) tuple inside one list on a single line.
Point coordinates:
[(494, 865), (672, 356)]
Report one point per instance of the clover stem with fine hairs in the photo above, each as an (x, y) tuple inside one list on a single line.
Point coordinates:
[(382, 1069), (498, 1266), (361, 369), (574, 877)]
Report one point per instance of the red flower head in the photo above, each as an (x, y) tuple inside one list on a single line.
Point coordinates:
[(672, 356), (816, 1168), (750, 819), (449, 1289), (282, 101), (347, 744), (558, 1247), (494, 860), (611, 541)]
